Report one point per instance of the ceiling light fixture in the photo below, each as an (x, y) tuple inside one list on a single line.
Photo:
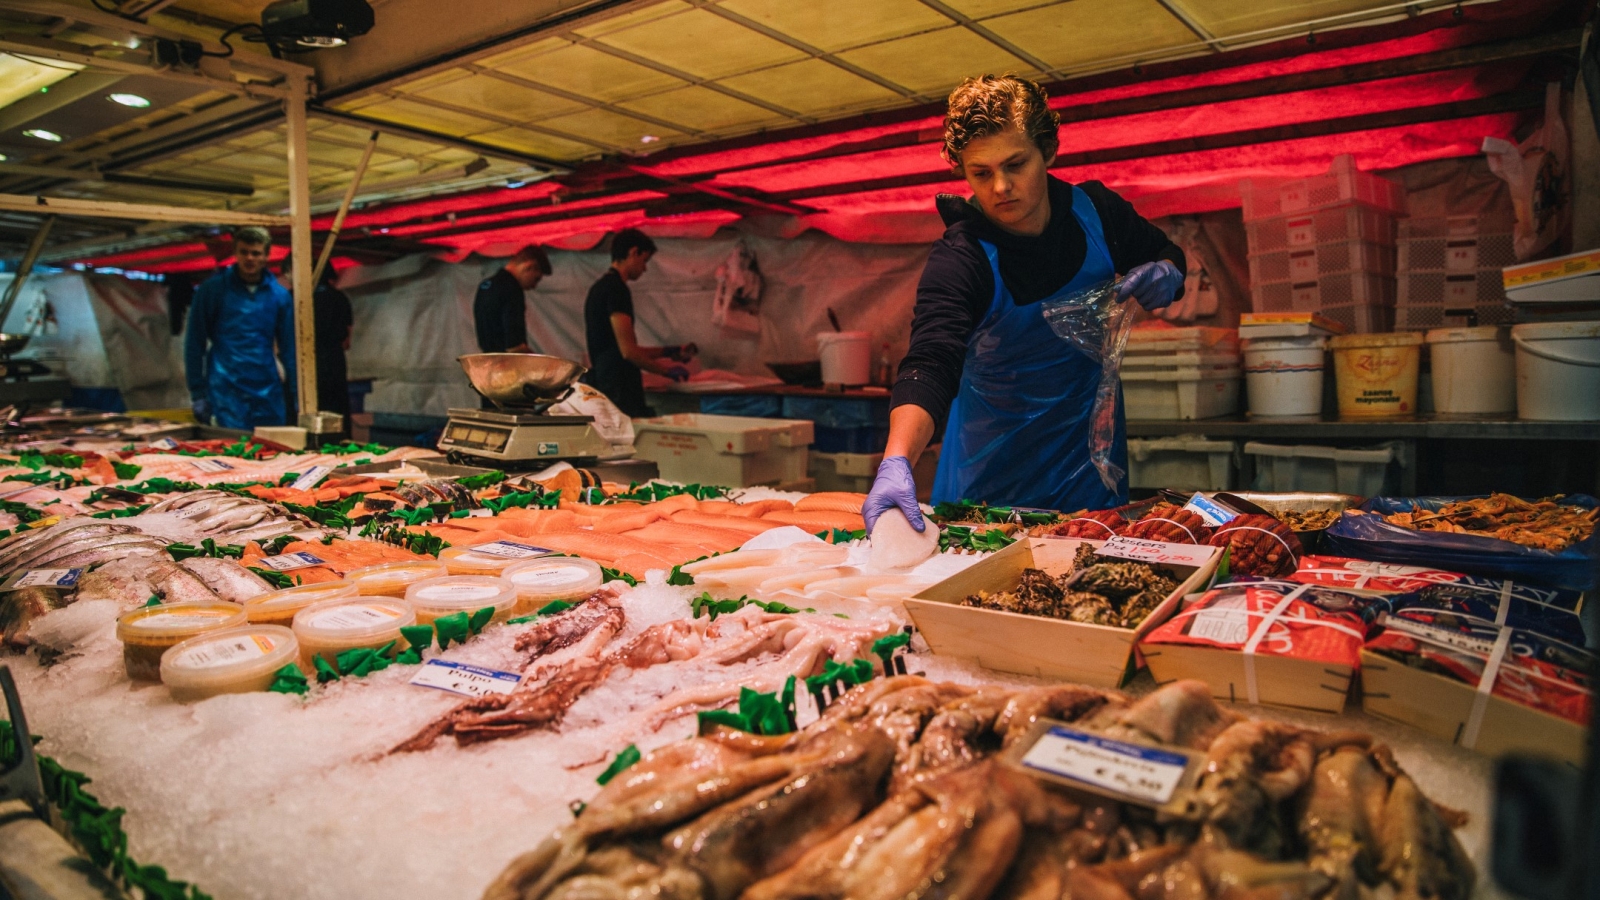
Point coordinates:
[(43, 135), (3, 157), (648, 139), (132, 100), (315, 24)]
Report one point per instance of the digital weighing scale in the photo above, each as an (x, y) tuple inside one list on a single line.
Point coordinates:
[(522, 386)]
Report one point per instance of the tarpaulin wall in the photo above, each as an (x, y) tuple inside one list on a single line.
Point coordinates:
[(414, 317)]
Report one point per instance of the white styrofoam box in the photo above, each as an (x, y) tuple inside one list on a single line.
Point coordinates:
[(1350, 222), (1317, 469), (1456, 253), (1196, 339), (1440, 299), (1343, 184), (731, 451), (1184, 463), (1310, 263), (1189, 393), (1180, 360)]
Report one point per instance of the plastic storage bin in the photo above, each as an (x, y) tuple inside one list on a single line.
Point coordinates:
[(1441, 299), (1306, 263), (1455, 252), (1183, 340), (1182, 463), (1342, 184), (1309, 468), (854, 472), (1188, 393), (1353, 288), (1339, 223), (731, 451)]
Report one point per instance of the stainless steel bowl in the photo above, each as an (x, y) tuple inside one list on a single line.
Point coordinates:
[(519, 379), (13, 343)]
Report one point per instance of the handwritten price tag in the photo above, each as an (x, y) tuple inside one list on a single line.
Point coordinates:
[(1147, 776), (460, 678), (1157, 552)]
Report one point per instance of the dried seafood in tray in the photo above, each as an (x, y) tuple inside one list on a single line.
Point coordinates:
[(1098, 591), (1303, 520), (1541, 524)]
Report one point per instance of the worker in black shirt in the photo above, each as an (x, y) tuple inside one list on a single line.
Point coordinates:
[(500, 308), (334, 320), (615, 356), (1012, 399)]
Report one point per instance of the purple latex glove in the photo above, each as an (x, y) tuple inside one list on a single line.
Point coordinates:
[(1154, 285), (678, 373), (894, 487)]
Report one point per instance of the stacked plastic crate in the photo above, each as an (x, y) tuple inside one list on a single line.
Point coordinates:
[(1449, 270), (1325, 244)]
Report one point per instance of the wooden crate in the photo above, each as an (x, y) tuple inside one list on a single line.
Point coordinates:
[(1441, 706), (1098, 655), (1280, 680)]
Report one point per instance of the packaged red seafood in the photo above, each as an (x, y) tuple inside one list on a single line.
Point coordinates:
[(1273, 642), (1517, 665)]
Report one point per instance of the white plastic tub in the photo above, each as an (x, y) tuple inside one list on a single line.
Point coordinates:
[(732, 451), (1558, 371), (1474, 371), (1180, 393), (1182, 463), (846, 357), (1284, 376), (1315, 469)]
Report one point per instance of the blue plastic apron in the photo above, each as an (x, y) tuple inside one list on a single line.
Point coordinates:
[(1018, 433)]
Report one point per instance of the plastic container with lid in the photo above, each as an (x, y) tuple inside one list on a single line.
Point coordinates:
[(279, 607), (1284, 376), (1474, 371), (230, 661), (439, 597), (1558, 371), (1376, 374), (331, 627), (489, 559), (392, 579), (149, 632), (542, 581)]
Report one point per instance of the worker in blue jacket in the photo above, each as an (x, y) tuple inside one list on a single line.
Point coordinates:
[(237, 317)]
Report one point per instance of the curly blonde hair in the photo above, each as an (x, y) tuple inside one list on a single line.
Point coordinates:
[(989, 104)]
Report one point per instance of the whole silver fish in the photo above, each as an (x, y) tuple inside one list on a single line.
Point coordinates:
[(53, 543), (95, 551), (227, 578), (21, 543), (18, 610), (179, 585), (96, 556), (179, 501)]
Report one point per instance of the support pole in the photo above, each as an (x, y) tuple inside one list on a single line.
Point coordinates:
[(344, 209), (14, 289), (305, 340)]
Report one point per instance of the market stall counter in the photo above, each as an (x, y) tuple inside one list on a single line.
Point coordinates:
[(610, 685)]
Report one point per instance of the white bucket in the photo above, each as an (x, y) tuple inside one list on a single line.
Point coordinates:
[(1558, 371), (1474, 371), (1284, 376), (846, 357)]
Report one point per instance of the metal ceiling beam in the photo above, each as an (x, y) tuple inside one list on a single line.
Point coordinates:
[(707, 83), (420, 134), (60, 51), (90, 176), (106, 209), (1512, 102), (68, 90), (506, 121)]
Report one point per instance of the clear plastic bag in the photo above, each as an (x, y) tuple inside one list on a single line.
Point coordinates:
[(1095, 321)]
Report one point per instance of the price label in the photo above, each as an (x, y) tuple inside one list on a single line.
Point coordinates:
[(1157, 551), (479, 513), (460, 678), (165, 443), (227, 651), (1148, 776), (511, 550), (57, 578), (211, 465), (300, 559), (1441, 636), (1212, 512), (311, 478)]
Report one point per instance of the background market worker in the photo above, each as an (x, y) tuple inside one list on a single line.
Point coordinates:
[(616, 360), (1012, 399), (499, 311), (236, 318), (335, 320)]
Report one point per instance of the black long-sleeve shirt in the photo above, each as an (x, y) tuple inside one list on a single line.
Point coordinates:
[(957, 284), (498, 313)]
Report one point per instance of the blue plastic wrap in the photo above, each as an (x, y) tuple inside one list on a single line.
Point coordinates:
[(758, 406), (1370, 537)]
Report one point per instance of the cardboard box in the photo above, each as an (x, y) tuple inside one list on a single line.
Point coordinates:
[(1098, 655), (1441, 707)]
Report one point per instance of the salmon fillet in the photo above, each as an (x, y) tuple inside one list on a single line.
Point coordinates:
[(817, 520), (831, 501)]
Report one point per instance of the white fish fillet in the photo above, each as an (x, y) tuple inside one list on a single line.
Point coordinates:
[(896, 545)]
